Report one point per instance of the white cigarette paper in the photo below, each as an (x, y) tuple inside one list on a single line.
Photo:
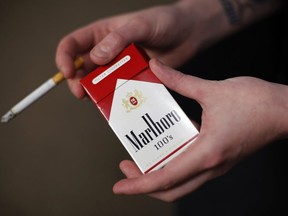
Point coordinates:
[(28, 100), (38, 93)]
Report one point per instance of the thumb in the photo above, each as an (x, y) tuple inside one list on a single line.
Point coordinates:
[(186, 85), (113, 43)]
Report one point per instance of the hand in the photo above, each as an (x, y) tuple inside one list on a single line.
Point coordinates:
[(172, 33), (240, 116)]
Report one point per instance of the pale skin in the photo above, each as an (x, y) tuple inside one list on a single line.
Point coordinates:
[(240, 115)]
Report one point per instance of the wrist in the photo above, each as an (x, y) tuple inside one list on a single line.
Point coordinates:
[(275, 104), (206, 20), (282, 111), (213, 20)]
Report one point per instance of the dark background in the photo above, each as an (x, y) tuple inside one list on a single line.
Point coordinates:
[(60, 157), (258, 185)]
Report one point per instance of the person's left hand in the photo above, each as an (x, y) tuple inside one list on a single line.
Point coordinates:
[(240, 116)]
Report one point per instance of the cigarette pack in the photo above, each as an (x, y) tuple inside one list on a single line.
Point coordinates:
[(140, 110)]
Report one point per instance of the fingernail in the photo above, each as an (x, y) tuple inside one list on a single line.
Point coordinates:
[(101, 52)]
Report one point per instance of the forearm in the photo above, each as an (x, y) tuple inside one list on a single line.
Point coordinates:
[(280, 105), (216, 19)]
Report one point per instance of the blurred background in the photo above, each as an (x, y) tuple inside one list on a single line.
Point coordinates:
[(59, 157)]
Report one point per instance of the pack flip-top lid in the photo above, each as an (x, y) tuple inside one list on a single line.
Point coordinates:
[(126, 65)]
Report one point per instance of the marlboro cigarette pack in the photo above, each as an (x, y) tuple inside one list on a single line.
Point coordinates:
[(140, 110)]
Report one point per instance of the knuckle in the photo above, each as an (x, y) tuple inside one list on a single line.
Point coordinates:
[(168, 184), (178, 81), (168, 180), (138, 21), (116, 38), (214, 161), (63, 42)]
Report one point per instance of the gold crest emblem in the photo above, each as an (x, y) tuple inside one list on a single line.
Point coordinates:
[(133, 100)]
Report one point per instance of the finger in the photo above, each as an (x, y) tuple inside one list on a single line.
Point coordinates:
[(65, 55), (88, 65), (186, 85), (181, 190), (75, 86), (118, 39), (70, 47), (74, 82), (130, 169), (191, 185), (190, 163)]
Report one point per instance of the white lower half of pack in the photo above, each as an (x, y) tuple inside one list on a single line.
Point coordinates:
[(150, 124)]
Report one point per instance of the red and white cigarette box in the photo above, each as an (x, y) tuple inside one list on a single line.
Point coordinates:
[(140, 110)]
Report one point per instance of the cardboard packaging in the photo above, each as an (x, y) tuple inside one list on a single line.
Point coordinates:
[(140, 110)]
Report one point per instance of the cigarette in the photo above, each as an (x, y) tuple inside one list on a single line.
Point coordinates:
[(38, 93)]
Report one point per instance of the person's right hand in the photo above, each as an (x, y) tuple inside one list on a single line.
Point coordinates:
[(165, 32)]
